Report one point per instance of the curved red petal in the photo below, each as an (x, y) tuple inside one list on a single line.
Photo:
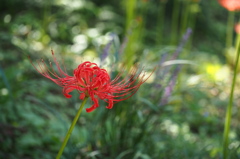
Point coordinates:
[(92, 108), (110, 104), (67, 90), (82, 96)]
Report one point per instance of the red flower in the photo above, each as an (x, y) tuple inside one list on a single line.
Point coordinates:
[(231, 5), (91, 81)]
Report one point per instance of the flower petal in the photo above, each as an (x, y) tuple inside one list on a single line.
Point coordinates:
[(82, 96), (67, 90), (110, 104)]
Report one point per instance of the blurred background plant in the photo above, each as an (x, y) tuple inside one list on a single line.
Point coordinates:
[(178, 113)]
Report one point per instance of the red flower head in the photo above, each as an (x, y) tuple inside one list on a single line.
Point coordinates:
[(91, 81), (231, 5)]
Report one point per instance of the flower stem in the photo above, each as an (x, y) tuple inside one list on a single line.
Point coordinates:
[(174, 25), (230, 25), (185, 16), (160, 22), (70, 129), (229, 108)]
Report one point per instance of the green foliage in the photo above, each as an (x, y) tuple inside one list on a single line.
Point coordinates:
[(35, 116)]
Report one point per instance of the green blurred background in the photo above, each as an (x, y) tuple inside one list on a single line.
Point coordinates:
[(178, 113)]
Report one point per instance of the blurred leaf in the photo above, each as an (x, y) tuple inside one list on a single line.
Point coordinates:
[(28, 140), (148, 103)]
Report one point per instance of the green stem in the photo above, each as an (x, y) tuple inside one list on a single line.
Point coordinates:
[(160, 22), (130, 13), (230, 24), (71, 129), (174, 25), (185, 16), (229, 108), (192, 22)]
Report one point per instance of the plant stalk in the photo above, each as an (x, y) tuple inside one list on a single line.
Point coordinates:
[(185, 16), (71, 129), (160, 22), (174, 25), (229, 108), (230, 25)]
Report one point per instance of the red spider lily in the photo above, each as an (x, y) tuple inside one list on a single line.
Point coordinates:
[(231, 5), (91, 81)]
